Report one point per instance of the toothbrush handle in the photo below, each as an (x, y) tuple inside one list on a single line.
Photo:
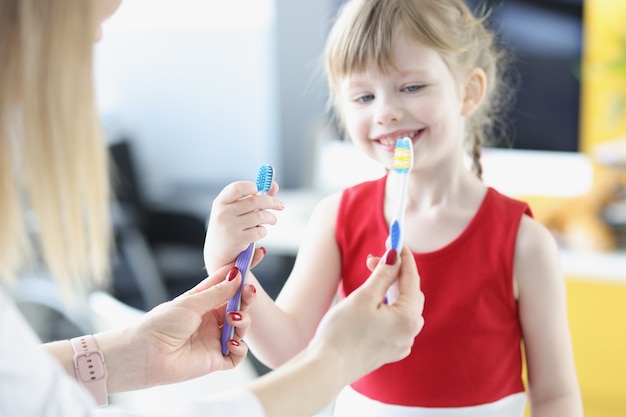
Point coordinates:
[(243, 262), (392, 293), (395, 242), (395, 236)]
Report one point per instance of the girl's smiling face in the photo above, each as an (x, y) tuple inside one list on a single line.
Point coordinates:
[(417, 97)]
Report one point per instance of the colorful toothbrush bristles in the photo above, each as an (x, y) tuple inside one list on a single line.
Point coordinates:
[(264, 178), (403, 155)]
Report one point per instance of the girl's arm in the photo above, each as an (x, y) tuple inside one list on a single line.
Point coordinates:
[(284, 328), (552, 380)]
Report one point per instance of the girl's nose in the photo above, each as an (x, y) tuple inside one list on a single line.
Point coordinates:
[(387, 112)]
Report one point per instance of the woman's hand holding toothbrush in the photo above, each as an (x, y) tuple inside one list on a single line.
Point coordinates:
[(238, 216), (347, 337)]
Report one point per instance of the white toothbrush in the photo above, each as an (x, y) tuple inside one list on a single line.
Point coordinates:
[(402, 164)]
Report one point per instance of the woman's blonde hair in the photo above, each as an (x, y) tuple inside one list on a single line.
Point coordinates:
[(53, 161), (365, 31)]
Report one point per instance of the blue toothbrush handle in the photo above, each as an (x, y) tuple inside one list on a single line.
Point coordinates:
[(244, 259), (395, 242), (395, 236)]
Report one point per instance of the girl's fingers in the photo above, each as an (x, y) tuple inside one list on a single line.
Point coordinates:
[(248, 296), (256, 217), (234, 191), (274, 189), (245, 195), (259, 254)]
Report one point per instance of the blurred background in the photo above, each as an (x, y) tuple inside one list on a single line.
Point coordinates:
[(198, 93)]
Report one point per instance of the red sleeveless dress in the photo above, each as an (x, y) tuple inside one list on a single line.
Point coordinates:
[(469, 351)]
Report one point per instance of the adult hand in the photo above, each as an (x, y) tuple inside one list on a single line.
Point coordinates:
[(237, 218), (356, 336), (366, 333), (180, 339)]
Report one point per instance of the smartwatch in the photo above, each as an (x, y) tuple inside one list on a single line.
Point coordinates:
[(90, 368)]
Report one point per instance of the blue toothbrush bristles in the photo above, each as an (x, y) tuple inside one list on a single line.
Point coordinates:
[(264, 178), (403, 155)]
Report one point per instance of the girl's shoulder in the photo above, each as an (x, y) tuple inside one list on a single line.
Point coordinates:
[(537, 260), (534, 240), (328, 204), (323, 215)]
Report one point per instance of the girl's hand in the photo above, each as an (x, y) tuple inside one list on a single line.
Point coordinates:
[(238, 216)]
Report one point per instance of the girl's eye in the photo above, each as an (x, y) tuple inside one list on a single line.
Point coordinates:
[(413, 88), (364, 98)]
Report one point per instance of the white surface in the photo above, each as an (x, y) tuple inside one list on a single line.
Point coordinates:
[(351, 403), (537, 173), (286, 235), (194, 84), (511, 172), (603, 266)]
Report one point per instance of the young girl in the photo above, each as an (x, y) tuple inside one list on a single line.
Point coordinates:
[(490, 274), (53, 173)]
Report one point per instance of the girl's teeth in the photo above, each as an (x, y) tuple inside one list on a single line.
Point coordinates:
[(392, 142)]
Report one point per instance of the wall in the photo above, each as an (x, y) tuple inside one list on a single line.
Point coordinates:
[(208, 90), (301, 29)]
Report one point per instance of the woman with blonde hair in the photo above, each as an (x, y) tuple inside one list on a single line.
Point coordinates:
[(54, 199)]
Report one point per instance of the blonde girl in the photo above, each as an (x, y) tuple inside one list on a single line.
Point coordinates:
[(429, 70)]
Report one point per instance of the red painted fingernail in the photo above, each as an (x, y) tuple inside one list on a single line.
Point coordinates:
[(234, 342), (235, 316), (391, 257), (263, 250), (253, 289), (232, 273)]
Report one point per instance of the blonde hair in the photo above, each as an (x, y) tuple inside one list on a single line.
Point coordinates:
[(365, 31), (53, 162)]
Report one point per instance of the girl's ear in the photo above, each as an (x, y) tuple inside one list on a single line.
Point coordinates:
[(474, 93)]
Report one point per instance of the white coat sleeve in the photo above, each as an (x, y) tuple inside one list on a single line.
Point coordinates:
[(33, 384)]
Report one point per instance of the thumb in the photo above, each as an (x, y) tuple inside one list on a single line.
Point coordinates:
[(384, 274), (207, 299)]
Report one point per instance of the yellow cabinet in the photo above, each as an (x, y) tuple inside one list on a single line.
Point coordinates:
[(597, 314)]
